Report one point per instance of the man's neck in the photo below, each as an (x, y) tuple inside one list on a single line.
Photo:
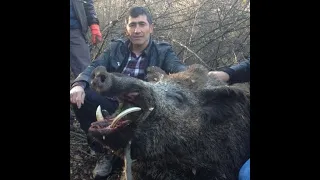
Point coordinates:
[(137, 49)]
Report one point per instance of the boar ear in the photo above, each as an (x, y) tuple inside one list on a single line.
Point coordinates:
[(155, 74), (223, 102)]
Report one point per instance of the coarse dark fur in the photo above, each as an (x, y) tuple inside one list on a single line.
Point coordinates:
[(199, 128)]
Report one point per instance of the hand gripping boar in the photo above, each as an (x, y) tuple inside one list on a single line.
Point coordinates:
[(186, 126)]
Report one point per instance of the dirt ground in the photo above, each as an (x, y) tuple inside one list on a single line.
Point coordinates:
[(81, 161)]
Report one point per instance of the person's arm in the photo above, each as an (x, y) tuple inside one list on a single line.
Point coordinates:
[(238, 73), (172, 64), (91, 13), (93, 22)]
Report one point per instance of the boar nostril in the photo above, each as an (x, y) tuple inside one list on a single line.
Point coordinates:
[(102, 78)]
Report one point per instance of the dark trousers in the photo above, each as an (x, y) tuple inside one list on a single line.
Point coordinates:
[(79, 52), (87, 113)]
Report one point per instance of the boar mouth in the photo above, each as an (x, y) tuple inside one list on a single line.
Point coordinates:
[(111, 124), (106, 126)]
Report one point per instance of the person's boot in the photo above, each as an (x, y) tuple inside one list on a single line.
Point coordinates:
[(103, 165)]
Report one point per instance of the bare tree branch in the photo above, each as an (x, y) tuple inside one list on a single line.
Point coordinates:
[(190, 51)]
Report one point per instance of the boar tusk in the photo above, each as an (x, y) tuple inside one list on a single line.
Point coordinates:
[(124, 113), (194, 171), (99, 114), (128, 162)]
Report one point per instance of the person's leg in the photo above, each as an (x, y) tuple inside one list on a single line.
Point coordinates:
[(244, 173), (86, 115), (79, 52)]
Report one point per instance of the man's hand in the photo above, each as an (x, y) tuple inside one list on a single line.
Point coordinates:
[(95, 34), (77, 95), (220, 75)]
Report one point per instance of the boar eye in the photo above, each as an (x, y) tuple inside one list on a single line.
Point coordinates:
[(175, 95)]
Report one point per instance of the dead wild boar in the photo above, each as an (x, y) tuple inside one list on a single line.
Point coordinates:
[(185, 126)]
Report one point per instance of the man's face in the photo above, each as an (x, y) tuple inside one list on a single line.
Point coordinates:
[(139, 30)]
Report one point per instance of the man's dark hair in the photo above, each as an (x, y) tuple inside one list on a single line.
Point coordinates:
[(137, 11)]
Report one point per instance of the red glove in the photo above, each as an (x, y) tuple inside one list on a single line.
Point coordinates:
[(95, 33)]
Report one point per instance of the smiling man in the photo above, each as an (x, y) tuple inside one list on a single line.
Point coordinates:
[(138, 30), (131, 57)]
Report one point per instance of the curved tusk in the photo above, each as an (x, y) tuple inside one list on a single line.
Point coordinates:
[(99, 114), (124, 113)]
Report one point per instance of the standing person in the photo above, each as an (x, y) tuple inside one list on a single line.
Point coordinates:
[(82, 16), (130, 56)]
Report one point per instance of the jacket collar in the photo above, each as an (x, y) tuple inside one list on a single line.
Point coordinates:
[(145, 51)]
